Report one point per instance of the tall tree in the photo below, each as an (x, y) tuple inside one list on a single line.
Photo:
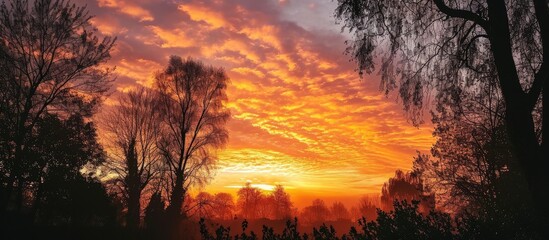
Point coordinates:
[(132, 129), (49, 57), (441, 44), (194, 115)]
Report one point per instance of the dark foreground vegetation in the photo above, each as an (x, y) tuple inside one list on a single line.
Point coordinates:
[(405, 222), (485, 65)]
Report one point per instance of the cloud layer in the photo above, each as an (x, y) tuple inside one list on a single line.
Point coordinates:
[(301, 116)]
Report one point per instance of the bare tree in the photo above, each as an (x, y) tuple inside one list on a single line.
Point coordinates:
[(194, 115), (406, 187), (317, 213), (49, 57), (282, 203), (339, 212), (204, 205), (367, 207), (133, 129), (248, 201), (265, 207)]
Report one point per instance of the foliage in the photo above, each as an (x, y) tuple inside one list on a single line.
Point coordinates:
[(405, 222), (49, 62), (471, 55), (60, 194), (290, 232)]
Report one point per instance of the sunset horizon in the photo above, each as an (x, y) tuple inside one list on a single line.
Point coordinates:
[(274, 119), (301, 115)]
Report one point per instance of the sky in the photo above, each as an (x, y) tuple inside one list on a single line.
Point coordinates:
[(301, 115)]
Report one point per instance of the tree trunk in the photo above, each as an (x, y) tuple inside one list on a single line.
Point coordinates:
[(176, 201), (133, 183), (518, 113), (134, 209)]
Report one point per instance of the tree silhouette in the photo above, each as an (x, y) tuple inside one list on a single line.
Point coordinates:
[(405, 222), (339, 212), (154, 215), (58, 193), (248, 201), (315, 214), (132, 128), (281, 203), (49, 57), (224, 206), (266, 206), (442, 44), (367, 207), (406, 187), (194, 116), (486, 193), (204, 205)]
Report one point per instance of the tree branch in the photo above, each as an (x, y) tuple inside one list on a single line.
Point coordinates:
[(542, 15), (458, 13)]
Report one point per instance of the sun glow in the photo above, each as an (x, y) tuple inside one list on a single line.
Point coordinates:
[(301, 117)]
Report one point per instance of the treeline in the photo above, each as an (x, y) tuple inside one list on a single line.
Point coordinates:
[(252, 203)]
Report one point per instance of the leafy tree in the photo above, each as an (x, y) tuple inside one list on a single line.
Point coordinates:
[(59, 193), (437, 44), (473, 170), (49, 58), (194, 115), (82, 201), (132, 130), (405, 222)]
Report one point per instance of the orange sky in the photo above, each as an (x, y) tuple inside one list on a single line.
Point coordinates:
[(301, 115)]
